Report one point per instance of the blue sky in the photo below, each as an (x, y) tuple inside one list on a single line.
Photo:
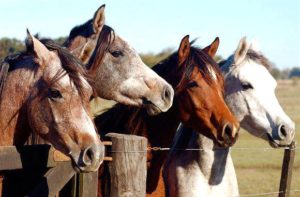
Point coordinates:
[(153, 25)]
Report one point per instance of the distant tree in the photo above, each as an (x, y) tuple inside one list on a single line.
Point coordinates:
[(295, 72), (285, 73), (276, 73), (150, 59), (9, 46), (218, 58), (60, 40)]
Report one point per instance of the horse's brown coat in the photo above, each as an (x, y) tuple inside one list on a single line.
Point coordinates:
[(198, 104)]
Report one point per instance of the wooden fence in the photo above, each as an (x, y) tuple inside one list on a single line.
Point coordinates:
[(45, 171)]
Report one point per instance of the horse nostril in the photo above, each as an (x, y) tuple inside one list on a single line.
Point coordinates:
[(227, 130), (167, 94), (282, 132), (88, 156)]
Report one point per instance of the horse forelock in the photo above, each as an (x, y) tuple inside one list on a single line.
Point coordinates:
[(71, 66), (206, 66), (104, 42)]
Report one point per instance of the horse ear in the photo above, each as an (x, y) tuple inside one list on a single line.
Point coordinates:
[(99, 19), (40, 51), (241, 51), (184, 49), (211, 49)]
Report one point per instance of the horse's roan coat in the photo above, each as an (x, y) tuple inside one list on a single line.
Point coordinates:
[(210, 172), (44, 90), (116, 68), (198, 103)]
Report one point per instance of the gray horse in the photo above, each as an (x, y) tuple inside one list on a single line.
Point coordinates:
[(116, 68)]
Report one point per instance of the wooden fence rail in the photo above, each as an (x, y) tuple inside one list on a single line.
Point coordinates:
[(128, 171), (127, 168)]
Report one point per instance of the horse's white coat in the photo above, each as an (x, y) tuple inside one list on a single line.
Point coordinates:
[(257, 108), (210, 172), (201, 173)]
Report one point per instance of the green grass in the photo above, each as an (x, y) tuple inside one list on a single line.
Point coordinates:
[(259, 171)]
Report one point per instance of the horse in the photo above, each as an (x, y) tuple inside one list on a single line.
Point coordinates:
[(198, 104), (117, 70), (209, 171), (46, 91)]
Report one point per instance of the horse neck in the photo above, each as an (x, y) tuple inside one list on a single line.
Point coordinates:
[(162, 128), (14, 128), (159, 130), (210, 159)]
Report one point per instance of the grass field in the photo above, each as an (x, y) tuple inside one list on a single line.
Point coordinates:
[(259, 171)]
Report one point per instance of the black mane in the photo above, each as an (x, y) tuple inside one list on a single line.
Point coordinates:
[(104, 41)]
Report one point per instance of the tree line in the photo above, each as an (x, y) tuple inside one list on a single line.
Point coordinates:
[(11, 45)]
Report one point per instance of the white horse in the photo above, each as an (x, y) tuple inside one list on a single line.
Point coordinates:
[(250, 94)]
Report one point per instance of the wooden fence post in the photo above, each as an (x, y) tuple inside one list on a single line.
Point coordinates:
[(88, 184), (128, 167), (286, 171)]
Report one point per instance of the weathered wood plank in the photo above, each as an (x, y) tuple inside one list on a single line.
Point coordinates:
[(54, 180), (128, 167), (88, 184), (286, 171), (33, 156)]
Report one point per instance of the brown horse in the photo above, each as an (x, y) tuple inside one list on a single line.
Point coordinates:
[(198, 104), (44, 90), (116, 68)]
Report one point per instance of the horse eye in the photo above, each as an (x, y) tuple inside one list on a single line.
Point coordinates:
[(54, 94), (116, 53), (192, 84), (247, 86)]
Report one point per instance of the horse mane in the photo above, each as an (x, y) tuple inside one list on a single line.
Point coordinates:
[(133, 118), (70, 65), (104, 41), (5, 67), (251, 54), (259, 58), (198, 58), (85, 30)]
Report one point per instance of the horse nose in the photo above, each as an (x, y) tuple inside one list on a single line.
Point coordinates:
[(88, 156), (230, 134), (282, 132), (286, 133), (167, 94), (91, 158)]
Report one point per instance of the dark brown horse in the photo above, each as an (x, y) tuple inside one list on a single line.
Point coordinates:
[(116, 68), (198, 104), (45, 91)]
